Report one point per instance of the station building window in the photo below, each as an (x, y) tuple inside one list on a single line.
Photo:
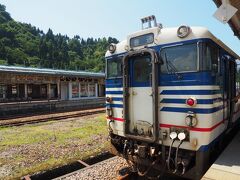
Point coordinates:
[(101, 90), (92, 91), (21, 91), (84, 90), (43, 91), (35, 91), (11, 95), (2, 91), (54, 91), (29, 90), (14, 89), (40, 91), (75, 90)]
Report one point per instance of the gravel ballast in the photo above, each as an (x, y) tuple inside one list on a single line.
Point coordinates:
[(108, 169)]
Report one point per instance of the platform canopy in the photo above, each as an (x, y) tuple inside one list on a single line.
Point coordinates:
[(234, 22)]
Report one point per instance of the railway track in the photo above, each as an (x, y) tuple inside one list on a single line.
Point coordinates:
[(49, 117)]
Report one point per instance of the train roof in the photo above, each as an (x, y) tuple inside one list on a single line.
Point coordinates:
[(168, 36)]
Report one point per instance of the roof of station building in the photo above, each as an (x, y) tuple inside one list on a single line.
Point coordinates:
[(53, 72), (234, 22)]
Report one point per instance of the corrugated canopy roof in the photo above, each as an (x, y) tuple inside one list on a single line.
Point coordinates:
[(234, 22), (27, 70)]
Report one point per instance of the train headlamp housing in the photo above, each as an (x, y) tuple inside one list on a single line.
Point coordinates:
[(112, 48), (183, 31), (109, 99), (109, 112), (191, 119)]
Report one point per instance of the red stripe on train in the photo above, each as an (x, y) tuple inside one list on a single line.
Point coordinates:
[(171, 125), (116, 119), (193, 129)]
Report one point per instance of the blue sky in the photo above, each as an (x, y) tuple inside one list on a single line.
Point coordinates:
[(117, 18)]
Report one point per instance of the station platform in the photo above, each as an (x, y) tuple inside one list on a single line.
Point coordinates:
[(49, 106), (227, 166)]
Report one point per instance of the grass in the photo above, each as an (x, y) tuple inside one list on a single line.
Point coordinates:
[(3, 62), (33, 148)]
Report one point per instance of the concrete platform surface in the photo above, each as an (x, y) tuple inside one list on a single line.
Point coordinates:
[(227, 166)]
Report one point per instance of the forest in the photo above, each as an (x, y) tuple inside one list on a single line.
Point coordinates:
[(23, 44)]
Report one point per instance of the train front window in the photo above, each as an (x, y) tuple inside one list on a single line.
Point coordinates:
[(182, 58), (114, 68)]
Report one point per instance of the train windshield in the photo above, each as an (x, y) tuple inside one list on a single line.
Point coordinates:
[(182, 58), (114, 68)]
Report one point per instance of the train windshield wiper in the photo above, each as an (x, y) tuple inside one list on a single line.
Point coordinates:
[(172, 69)]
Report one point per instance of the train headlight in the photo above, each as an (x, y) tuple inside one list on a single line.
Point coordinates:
[(191, 119), (112, 48), (173, 135), (183, 31), (182, 136), (191, 101)]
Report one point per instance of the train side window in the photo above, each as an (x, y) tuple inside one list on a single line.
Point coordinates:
[(237, 77), (210, 58), (114, 68)]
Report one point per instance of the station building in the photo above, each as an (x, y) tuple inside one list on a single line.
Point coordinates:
[(33, 86)]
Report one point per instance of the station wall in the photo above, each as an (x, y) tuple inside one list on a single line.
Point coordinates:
[(28, 87)]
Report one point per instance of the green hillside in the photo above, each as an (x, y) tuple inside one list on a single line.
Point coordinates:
[(22, 44)]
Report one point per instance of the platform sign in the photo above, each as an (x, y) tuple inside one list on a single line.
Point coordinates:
[(225, 12)]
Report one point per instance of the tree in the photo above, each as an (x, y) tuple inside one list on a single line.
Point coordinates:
[(26, 45), (2, 51), (4, 16), (49, 35), (42, 49), (16, 56), (75, 45)]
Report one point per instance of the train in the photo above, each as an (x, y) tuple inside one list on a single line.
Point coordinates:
[(172, 95)]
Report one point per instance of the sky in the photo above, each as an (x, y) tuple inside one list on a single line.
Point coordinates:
[(117, 18)]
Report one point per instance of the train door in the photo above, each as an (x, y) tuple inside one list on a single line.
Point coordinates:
[(225, 91), (232, 90), (141, 93), (228, 90)]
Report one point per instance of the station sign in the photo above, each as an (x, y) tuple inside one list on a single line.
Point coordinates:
[(225, 12)]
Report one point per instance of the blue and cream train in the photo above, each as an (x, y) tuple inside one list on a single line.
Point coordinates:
[(171, 97)]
